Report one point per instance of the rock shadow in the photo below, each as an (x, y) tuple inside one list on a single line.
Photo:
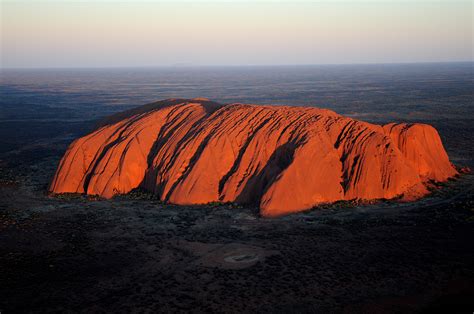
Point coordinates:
[(259, 183)]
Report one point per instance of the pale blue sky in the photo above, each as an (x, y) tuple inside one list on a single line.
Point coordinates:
[(71, 33)]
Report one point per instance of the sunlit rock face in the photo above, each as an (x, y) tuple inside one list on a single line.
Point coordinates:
[(286, 159)]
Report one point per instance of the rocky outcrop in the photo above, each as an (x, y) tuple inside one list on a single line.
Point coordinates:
[(286, 159)]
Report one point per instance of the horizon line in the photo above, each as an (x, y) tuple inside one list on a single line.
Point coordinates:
[(184, 65)]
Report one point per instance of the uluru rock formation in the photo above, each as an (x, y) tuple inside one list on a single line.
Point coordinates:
[(286, 159)]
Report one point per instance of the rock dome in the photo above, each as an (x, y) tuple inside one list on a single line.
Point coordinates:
[(286, 159)]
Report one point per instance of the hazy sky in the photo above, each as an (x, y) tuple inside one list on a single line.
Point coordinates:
[(68, 33)]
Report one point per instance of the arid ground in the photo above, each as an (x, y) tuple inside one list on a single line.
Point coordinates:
[(133, 253)]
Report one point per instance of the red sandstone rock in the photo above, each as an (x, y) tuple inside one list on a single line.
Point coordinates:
[(287, 159)]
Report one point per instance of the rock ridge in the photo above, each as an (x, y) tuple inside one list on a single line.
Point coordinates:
[(286, 159)]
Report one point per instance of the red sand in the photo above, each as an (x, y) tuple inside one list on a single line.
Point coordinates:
[(286, 158)]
